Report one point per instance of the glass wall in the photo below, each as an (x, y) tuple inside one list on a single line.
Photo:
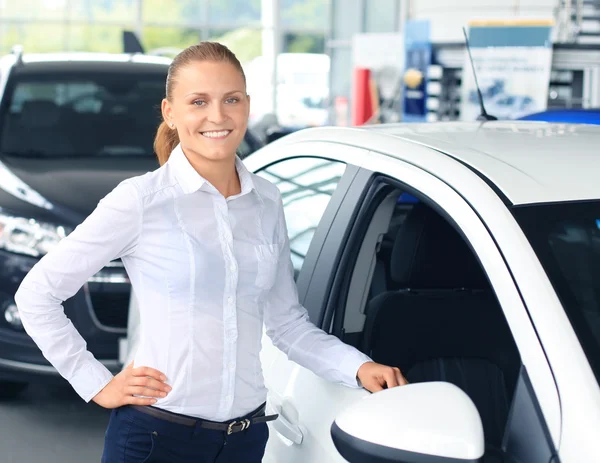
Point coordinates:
[(381, 15), (166, 27), (97, 25), (350, 17)]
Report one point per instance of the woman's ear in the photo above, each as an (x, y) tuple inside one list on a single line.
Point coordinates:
[(167, 112)]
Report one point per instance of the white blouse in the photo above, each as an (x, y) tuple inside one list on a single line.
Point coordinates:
[(207, 272)]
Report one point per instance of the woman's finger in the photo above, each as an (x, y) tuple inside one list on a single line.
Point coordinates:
[(147, 371), (390, 378), (131, 400), (400, 378), (138, 390), (149, 383), (374, 387)]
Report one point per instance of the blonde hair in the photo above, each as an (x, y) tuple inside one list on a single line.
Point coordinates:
[(166, 139)]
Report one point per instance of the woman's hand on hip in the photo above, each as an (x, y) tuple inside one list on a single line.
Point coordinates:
[(131, 382)]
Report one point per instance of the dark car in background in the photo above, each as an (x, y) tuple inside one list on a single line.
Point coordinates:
[(72, 126)]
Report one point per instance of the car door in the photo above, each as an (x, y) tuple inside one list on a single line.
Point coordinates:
[(309, 404), (314, 179), (531, 428)]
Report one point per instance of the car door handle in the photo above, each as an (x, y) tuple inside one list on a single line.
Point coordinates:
[(286, 425)]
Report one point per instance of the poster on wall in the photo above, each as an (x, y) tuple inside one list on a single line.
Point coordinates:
[(513, 60), (417, 61)]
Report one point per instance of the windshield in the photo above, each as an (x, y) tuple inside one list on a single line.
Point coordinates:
[(81, 115), (566, 238)]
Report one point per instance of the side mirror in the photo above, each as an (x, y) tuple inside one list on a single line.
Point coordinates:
[(432, 422)]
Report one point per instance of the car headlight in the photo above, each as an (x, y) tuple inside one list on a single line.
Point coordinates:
[(29, 236)]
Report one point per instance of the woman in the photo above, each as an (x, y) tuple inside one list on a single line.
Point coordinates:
[(205, 245)]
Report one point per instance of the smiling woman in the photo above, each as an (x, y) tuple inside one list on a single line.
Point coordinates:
[(205, 246), (206, 107)]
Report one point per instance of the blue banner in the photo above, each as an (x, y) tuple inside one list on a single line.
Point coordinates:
[(417, 39)]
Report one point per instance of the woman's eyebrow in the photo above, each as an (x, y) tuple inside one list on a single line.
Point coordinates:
[(207, 95)]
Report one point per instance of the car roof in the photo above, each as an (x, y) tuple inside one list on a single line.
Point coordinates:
[(83, 61), (529, 162)]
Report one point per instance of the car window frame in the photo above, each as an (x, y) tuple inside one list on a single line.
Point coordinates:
[(530, 349), (311, 275), (306, 165), (569, 367), (525, 415)]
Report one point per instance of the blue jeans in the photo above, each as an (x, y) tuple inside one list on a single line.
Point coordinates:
[(135, 437)]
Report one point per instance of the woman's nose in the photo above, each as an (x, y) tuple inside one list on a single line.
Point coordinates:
[(217, 114)]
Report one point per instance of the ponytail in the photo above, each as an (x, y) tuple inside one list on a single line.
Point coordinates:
[(165, 141)]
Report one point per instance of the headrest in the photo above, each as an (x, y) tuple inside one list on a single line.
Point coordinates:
[(40, 114), (429, 253)]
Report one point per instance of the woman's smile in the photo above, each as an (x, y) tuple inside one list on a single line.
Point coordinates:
[(217, 135)]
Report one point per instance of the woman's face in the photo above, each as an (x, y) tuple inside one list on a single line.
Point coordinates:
[(209, 108)]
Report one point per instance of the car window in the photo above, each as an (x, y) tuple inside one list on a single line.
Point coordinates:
[(108, 113), (306, 186), (566, 239), (419, 299)]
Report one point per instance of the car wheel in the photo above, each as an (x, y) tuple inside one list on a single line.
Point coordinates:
[(11, 389)]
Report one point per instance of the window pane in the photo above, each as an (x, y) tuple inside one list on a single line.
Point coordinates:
[(93, 10), (176, 38), (33, 9), (189, 12), (10, 35), (311, 14), (303, 43), (380, 15), (35, 38), (245, 42), (347, 18), (341, 72), (106, 39), (232, 12), (306, 185)]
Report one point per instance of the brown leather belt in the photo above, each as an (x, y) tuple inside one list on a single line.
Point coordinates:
[(231, 427)]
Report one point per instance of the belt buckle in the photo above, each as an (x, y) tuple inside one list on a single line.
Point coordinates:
[(245, 424)]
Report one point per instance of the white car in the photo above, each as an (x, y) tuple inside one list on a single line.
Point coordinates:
[(467, 254)]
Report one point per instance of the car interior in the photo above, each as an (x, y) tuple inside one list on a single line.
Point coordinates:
[(431, 311)]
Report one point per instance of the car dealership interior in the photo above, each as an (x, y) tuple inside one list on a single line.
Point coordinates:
[(412, 199)]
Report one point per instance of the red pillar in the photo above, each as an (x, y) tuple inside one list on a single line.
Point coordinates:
[(362, 106)]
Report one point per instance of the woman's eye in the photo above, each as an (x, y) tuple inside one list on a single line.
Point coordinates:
[(232, 100), (199, 102)]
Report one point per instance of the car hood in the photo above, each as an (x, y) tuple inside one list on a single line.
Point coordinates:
[(69, 184)]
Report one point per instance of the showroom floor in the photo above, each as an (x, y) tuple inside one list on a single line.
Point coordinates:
[(51, 425)]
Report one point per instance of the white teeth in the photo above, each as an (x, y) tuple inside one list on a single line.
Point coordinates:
[(220, 134)]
